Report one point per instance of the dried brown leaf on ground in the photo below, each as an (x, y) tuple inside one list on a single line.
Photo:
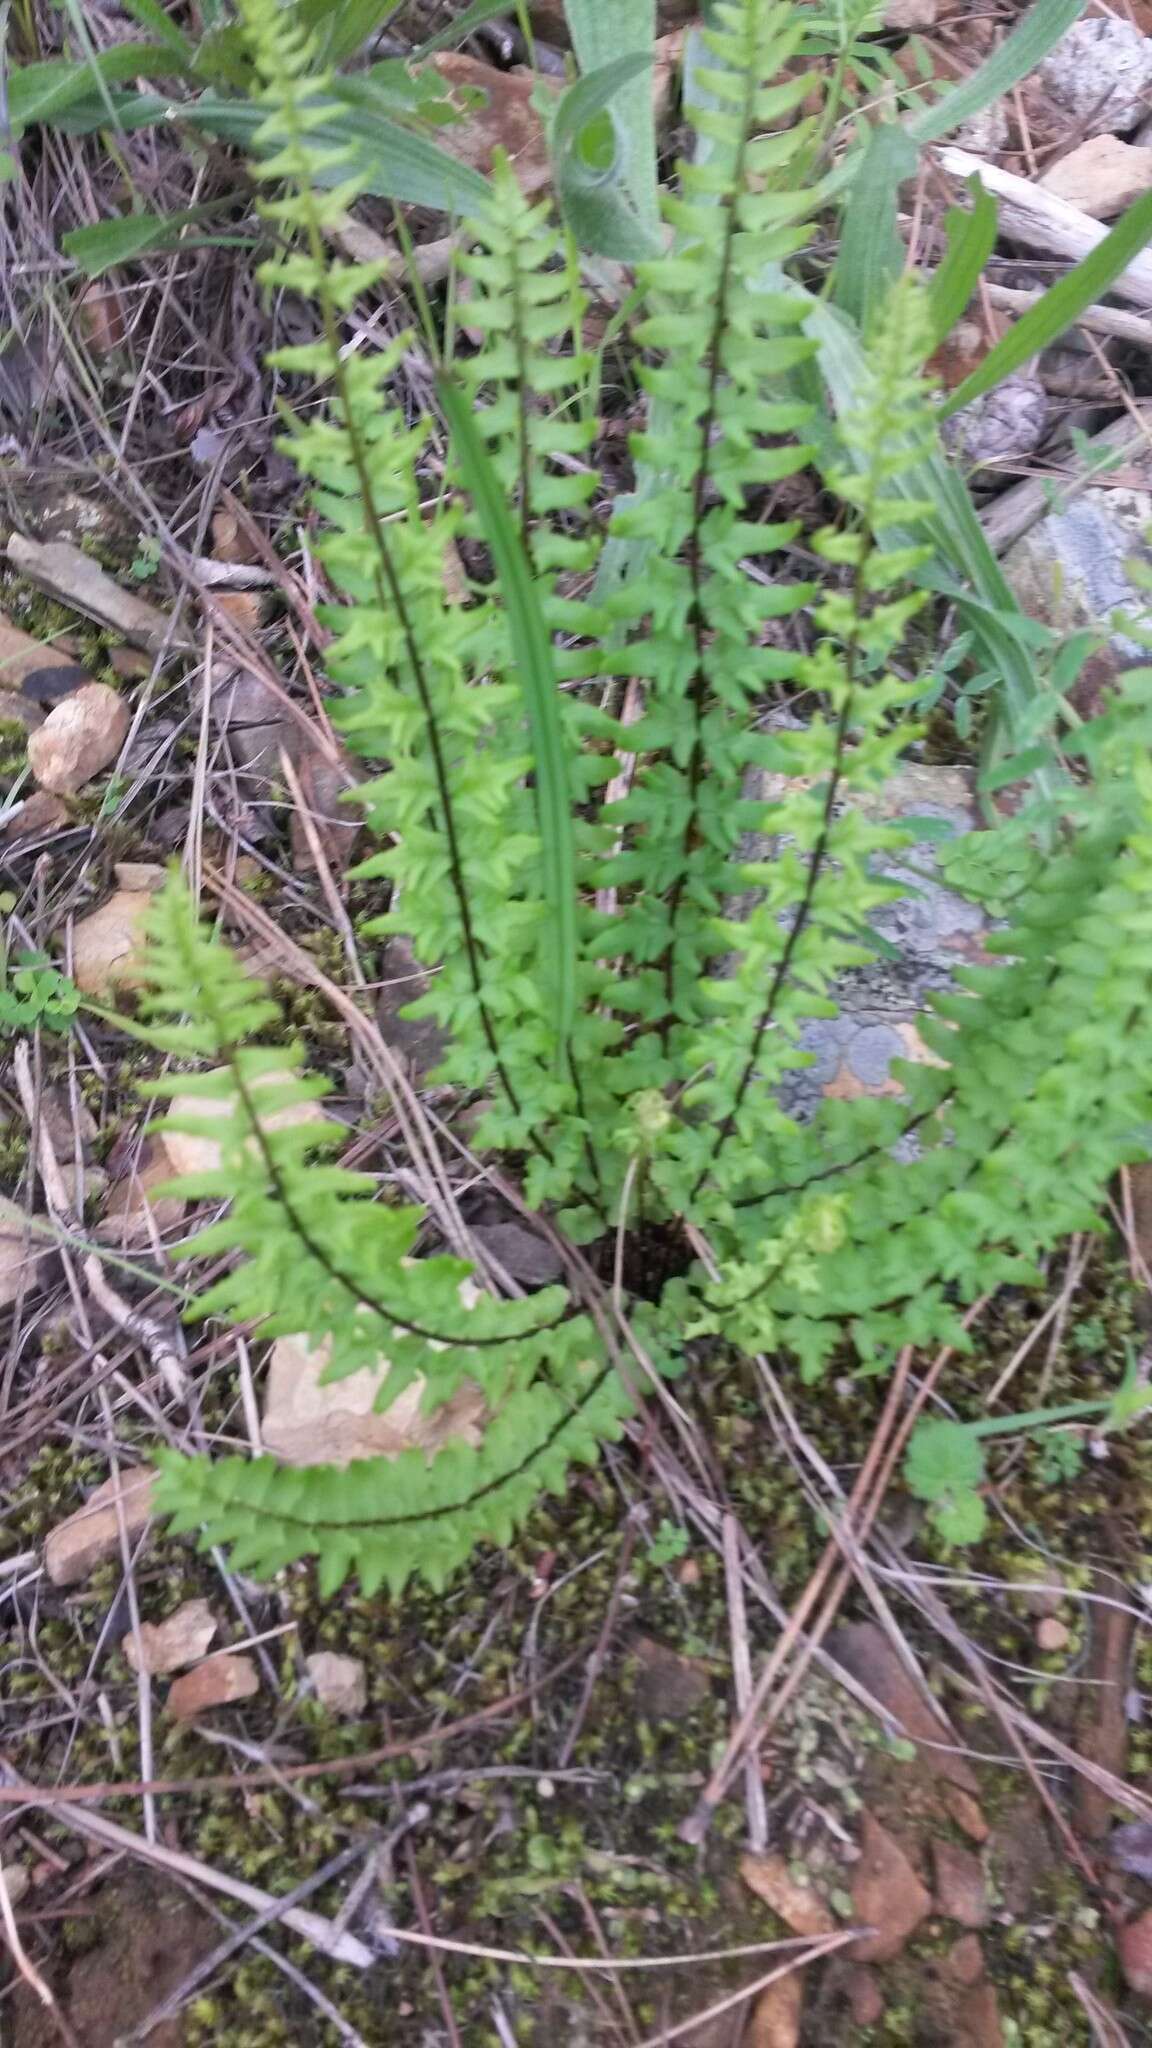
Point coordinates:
[(867, 1655), (887, 1895), (960, 1884), (797, 1904), (80, 736), (108, 947), (306, 1422), (507, 120), (24, 1257), (87, 1538), (775, 2021), (219, 1682), (159, 1647)]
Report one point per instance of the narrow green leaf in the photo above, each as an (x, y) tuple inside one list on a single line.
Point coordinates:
[(109, 242), (395, 162), (39, 92), (596, 196), (1019, 53), (344, 26), (532, 648), (1062, 304), (157, 23), (603, 31), (971, 239), (871, 251), (458, 30)]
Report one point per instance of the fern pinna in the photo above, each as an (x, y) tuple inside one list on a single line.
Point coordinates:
[(625, 1029)]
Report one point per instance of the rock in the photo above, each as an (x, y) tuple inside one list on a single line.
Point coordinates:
[(775, 2021), (16, 1882), (338, 1682), (911, 14), (108, 946), (961, 1892), (800, 1907), (1070, 569), (864, 1995), (40, 815), (76, 1546), (867, 1655), (1002, 426), (524, 1253), (80, 736), (134, 1213), (189, 1152), (669, 1686), (419, 1041), (1099, 72), (1130, 1849), (26, 664), (159, 1647), (887, 1896), (1102, 176), (985, 133), (218, 1682), (1134, 1950), (1051, 1635), (73, 578), (964, 1963), (306, 1422), (24, 1258)]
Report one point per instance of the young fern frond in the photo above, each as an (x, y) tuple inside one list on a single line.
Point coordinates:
[(663, 1103)]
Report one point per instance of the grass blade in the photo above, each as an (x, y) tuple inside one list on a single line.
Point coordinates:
[(532, 649), (871, 251), (1019, 53), (1043, 323), (971, 240)]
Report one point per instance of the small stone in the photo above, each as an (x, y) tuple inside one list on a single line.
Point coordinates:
[(134, 1213), (669, 1686), (159, 1647), (961, 1893), (76, 1546), (108, 946), (1134, 1949), (800, 1907), (887, 1896), (339, 1682), (218, 1682), (1051, 1635), (24, 1258), (978, 2019), (964, 1963), (911, 14), (16, 1882), (40, 814), (1099, 72), (129, 663), (1102, 176), (79, 737), (865, 1997)]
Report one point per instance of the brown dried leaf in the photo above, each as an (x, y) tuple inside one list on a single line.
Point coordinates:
[(101, 319), (159, 1647), (775, 2021), (887, 1895), (796, 1904), (23, 1257), (507, 120), (134, 1213)]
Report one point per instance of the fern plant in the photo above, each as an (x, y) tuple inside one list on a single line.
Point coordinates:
[(605, 992)]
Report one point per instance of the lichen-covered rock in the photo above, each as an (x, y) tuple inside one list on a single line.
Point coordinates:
[(1099, 72), (1071, 570)]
